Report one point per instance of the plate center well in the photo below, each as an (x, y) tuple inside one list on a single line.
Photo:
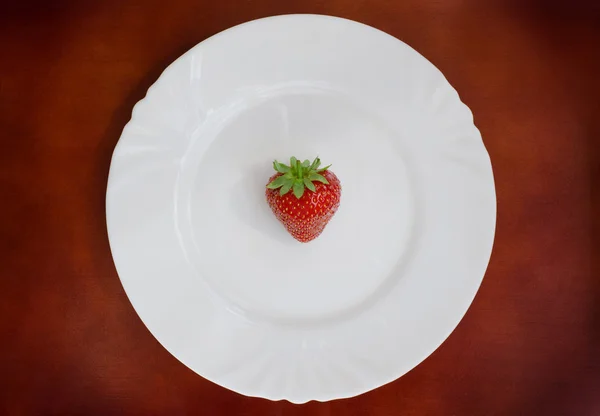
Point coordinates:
[(245, 255)]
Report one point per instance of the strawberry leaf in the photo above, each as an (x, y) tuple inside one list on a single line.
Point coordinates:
[(280, 167), (278, 182), (320, 178), (298, 176), (298, 189), (315, 164), (285, 188), (309, 184)]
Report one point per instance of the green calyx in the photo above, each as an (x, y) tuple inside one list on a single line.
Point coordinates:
[(298, 176)]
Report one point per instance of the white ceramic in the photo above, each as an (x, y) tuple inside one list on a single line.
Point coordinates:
[(215, 277)]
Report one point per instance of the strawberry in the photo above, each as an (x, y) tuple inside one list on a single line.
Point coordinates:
[(314, 197)]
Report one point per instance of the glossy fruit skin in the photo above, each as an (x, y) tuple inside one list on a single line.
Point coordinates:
[(306, 217)]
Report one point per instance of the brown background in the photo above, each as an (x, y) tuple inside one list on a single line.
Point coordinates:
[(70, 73)]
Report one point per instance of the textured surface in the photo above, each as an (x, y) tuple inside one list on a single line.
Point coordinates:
[(301, 228), (69, 77)]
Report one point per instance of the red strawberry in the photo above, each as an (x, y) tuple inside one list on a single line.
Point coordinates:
[(315, 197)]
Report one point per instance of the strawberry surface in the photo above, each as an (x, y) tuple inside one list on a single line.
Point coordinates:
[(305, 214)]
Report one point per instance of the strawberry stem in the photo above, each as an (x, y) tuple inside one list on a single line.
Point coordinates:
[(297, 176)]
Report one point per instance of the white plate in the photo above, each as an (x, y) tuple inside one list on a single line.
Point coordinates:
[(215, 277)]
